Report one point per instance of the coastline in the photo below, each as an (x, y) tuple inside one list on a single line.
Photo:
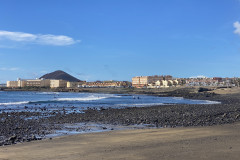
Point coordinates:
[(116, 90), (20, 127)]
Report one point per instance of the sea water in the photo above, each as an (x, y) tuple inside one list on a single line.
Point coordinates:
[(46, 102), (21, 100)]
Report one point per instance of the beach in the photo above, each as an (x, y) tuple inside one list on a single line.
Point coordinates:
[(216, 143), (172, 131)]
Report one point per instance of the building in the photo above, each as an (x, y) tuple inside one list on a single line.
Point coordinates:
[(163, 84), (212, 82), (219, 79), (106, 84), (22, 83), (16, 84), (140, 82), (143, 81), (12, 84), (28, 83), (75, 84), (38, 83), (58, 83)]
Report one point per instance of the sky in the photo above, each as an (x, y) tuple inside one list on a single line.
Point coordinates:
[(119, 39)]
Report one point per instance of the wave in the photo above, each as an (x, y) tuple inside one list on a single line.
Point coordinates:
[(89, 98), (178, 98), (211, 102), (141, 104), (204, 101), (14, 103), (49, 93)]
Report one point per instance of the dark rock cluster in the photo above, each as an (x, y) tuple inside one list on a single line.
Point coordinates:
[(21, 127)]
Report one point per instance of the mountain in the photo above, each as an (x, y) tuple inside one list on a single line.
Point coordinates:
[(60, 75)]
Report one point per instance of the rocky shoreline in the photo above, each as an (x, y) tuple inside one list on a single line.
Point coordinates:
[(27, 126)]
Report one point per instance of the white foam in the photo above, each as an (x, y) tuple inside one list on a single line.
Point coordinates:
[(48, 93), (142, 104), (90, 98), (211, 102), (14, 103), (178, 98), (205, 101)]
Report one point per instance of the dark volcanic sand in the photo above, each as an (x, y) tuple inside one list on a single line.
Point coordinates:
[(27, 126)]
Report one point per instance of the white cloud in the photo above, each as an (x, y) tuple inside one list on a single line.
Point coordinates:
[(44, 39), (9, 69), (236, 25), (55, 40), (17, 36)]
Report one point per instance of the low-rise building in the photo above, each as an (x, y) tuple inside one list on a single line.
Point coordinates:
[(212, 82), (12, 84), (99, 84), (22, 83), (58, 83), (163, 84), (38, 83), (28, 83), (75, 84), (16, 84)]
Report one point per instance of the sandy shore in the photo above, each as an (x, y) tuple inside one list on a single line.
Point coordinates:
[(214, 142)]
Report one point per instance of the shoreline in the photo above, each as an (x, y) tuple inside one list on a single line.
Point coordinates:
[(217, 142), (149, 91)]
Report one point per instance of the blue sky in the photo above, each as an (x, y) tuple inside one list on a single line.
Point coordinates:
[(119, 39)]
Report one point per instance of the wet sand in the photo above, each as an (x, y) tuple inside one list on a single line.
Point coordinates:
[(218, 142)]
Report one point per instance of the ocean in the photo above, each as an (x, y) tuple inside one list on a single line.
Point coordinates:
[(26, 100)]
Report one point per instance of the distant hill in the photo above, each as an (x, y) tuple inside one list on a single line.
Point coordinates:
[(60, 75)]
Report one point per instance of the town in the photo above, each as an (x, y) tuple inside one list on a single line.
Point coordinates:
[(61, 79)]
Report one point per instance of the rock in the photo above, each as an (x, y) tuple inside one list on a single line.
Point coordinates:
[(12, 139)]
